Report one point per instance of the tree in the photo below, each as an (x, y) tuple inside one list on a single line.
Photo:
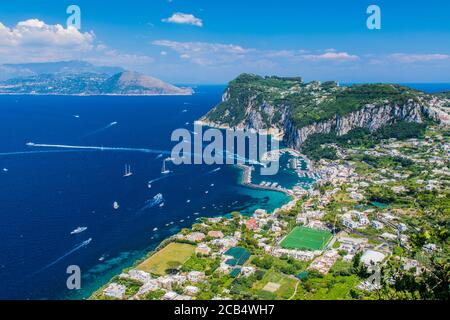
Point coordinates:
[(172, 266)]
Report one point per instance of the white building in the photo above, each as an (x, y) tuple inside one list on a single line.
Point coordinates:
[(371, 257), (195, 276), (191, 290), (149, 286), (115, 290), (377, 225)]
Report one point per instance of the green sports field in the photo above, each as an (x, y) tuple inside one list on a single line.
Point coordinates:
[(306, 239)]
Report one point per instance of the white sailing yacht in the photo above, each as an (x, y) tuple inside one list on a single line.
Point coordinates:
[(128, 172), (164, 170)]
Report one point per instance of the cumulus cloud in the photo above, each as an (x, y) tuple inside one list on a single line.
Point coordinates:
[(412, 58), (36, 33), (184, 18), (34, 40)]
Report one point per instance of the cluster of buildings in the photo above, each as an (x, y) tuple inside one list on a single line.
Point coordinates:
[(165, 284), (367, 230)]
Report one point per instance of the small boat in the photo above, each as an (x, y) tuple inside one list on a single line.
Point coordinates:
[(102, 258), (182, 220), (188, 200), (206, 192), (163, 169), (196, 213), (5, 169), (128, 172), (78, 230), (149, 185), (116, 205), (161, 205), (155, 229)]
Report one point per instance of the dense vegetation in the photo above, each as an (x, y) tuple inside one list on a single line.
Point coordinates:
[(359, 137), (306, 110), (305, 103)]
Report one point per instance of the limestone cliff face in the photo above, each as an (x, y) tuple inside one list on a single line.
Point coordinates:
[(370, 117)]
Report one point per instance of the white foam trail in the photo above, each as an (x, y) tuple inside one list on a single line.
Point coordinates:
[(64, 146), (100, 130), (212, 171), (123, 149), (157, 179), (156, 200), (78, 247), (5, 154)]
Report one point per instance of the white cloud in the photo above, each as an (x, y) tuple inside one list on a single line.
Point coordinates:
[(331, 56), (36, 33), (184, 18), (33, 40), (206, 53), (412, 58)]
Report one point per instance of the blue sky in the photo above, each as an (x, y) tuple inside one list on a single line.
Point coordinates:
[(197, 41)]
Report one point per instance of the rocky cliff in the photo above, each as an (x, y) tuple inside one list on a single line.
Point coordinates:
[(370, 117), (299, 110)]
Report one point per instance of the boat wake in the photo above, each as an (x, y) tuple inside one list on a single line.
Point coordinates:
[(157, 179), (212, 171), (156, 200), (112, 124), (159, 152), (96, 148), (78, 247), (19, 153)]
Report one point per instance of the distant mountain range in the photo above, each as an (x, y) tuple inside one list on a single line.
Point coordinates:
[(80, 78)]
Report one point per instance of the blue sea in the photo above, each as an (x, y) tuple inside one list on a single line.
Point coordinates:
[(47, 192)]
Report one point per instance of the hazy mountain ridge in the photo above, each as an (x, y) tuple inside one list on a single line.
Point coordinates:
[(81, 78)]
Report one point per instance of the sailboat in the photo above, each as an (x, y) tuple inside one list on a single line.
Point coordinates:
[(164, 170), (128, 172)]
